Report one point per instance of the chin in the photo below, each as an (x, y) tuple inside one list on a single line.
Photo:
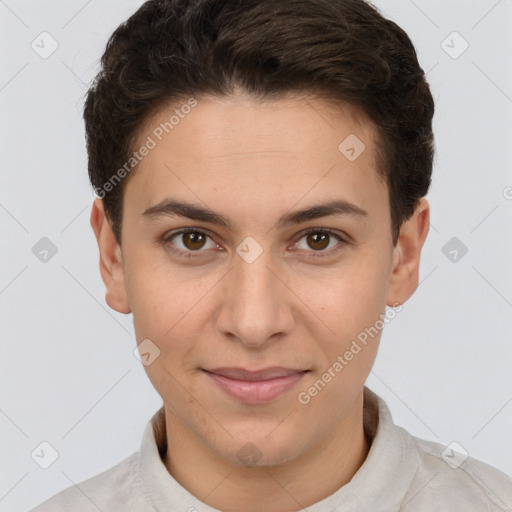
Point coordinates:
[(260, 451)]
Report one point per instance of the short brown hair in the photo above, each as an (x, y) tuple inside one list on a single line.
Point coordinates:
[(344, 50)]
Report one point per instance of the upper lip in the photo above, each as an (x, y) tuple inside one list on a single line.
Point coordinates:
[(273, 372)]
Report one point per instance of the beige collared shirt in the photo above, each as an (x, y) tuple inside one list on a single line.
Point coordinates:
[(401, 473)]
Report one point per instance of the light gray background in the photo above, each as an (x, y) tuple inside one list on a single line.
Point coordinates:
[(68, 374)]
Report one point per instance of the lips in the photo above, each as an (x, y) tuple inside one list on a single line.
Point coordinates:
[(255, 386), (251, 375)]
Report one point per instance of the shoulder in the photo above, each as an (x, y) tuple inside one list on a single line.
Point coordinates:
[(120, 485), (449, 477)]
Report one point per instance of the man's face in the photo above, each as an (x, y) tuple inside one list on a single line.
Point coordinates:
[(258, 293)]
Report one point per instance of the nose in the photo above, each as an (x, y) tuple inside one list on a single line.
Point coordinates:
[(256, 307)]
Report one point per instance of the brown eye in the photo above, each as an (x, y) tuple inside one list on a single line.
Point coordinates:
[(319, 240), (193, 240), (186, 242)]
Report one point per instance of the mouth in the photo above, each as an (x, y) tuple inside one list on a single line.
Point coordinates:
[(255, 387)]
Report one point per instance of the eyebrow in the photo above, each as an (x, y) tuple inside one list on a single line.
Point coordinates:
[(174, 208)]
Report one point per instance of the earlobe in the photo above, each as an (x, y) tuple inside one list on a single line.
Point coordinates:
[(406, 258), (111, 263)]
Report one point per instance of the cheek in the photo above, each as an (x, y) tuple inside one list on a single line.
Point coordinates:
[(353, 309), (348, 298), (154, 308), (171, 307), (155, 291), (352, 305)]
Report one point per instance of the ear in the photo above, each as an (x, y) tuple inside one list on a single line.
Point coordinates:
[(406, 255), (111, 263)]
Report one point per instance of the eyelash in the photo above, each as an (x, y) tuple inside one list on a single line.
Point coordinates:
[(315, 254)]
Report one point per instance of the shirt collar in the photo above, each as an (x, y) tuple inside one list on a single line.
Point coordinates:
[(380, 484)]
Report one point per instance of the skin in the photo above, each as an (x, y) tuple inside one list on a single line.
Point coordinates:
[(252, 162)]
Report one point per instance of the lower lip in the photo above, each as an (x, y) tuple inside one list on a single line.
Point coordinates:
[(256, 392)]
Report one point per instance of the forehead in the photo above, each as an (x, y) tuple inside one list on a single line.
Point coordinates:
[(239, 147), (218, 126)]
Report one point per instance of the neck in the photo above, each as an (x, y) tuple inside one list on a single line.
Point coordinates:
[(291, 486)]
